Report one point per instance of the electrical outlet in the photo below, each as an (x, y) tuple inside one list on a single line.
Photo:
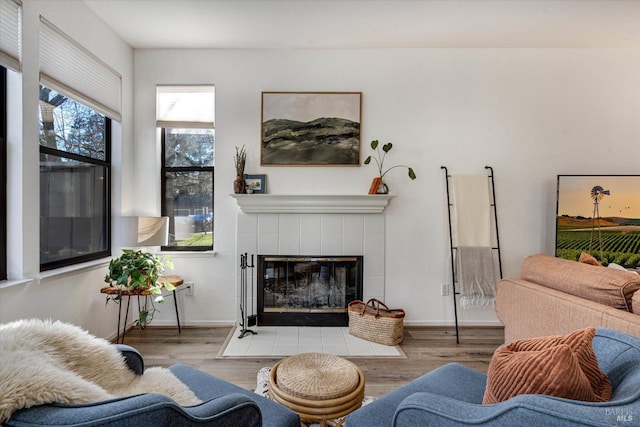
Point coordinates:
[(444, 290), (190, 288)]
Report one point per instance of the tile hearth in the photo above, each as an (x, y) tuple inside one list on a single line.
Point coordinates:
[(288, 340)]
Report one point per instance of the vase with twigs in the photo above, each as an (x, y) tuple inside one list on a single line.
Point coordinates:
[(239, 160)]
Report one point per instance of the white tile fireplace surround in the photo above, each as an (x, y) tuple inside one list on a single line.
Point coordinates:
[(313, 225)]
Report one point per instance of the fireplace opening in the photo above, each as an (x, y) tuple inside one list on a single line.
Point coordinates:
[(307, 291)]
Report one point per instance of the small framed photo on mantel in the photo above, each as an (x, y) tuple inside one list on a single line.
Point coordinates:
[(255, 184)]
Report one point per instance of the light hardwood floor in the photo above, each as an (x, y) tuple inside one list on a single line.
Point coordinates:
[(426, 349)]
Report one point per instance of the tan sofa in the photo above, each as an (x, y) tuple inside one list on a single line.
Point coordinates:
[(555, 296)]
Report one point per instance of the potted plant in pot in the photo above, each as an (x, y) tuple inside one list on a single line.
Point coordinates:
[(137, 273), (378, 185)]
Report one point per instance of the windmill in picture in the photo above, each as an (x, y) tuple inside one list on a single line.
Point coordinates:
[(597, 193)]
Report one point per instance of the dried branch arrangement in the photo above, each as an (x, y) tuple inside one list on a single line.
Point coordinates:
[(239, 160)]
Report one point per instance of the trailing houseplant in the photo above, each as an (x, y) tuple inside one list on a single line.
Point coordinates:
[(138, 273), (379, 158)]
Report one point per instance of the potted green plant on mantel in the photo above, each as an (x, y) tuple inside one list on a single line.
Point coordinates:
[(137, 273), (378, 186)]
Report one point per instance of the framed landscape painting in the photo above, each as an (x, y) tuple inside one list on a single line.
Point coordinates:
[(310, 129), (599, 215)]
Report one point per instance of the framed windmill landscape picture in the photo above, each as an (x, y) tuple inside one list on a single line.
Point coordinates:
[(599, 215)]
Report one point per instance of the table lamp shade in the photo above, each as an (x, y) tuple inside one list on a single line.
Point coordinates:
[(145, 231)]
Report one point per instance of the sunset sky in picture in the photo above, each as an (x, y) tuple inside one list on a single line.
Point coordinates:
[(624, 200)]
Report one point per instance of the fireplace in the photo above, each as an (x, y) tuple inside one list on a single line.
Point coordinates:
[(307, 290), (313, 224)]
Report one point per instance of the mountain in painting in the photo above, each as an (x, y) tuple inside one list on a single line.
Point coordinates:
[(323, 141)]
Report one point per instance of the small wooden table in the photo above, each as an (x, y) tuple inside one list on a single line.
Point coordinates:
[(318, 386), (175, 280)]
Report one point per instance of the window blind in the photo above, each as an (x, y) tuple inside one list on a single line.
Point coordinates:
[(69, 68), (10, 33), (185, 106)]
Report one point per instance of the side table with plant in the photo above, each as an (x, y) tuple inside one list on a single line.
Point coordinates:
[(138, 273)]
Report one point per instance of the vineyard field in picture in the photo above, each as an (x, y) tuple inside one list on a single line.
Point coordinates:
[(620, 247)]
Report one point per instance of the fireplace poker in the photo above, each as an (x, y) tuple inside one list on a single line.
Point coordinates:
[(252, 319)]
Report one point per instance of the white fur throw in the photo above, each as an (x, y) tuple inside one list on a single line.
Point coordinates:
[(45, 362)]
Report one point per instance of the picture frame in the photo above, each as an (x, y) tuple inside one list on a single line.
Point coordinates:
[(255, 184), (310, 128), (599, 215)]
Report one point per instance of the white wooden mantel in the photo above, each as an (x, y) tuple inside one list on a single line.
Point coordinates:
[(312, 203)]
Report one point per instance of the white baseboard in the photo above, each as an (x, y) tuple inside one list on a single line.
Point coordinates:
[(490, 323), (221, 323), (196, 323)]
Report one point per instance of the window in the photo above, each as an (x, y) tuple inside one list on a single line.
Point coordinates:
[(79, 96), (187, 185), (186, 116), (3, 173), (75, 211)]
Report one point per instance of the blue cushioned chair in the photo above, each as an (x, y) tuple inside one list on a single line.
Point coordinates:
[(452, 396), (225, 405)]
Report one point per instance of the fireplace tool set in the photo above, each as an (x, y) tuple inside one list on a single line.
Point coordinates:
[(248, 320)]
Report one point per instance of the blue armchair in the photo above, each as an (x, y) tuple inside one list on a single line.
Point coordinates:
[(224, 405), (452, 396)]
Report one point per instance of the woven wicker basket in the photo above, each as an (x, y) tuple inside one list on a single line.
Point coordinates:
[(375, 322)]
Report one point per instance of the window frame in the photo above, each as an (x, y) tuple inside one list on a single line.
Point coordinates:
[(164, 169), (106, 163), (3, 173)]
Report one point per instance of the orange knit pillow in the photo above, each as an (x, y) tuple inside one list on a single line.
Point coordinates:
[(561, 366)]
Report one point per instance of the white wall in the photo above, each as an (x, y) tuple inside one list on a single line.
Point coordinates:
[(71, 294), (531, 114)]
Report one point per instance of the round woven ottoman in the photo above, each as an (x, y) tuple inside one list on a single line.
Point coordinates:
[(318, 386)]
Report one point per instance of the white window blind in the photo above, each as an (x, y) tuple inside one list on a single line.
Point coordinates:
[(69, 68), (10, 33), (185, 106)]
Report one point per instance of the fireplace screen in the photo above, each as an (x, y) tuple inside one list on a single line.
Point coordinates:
[(309, 291)]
